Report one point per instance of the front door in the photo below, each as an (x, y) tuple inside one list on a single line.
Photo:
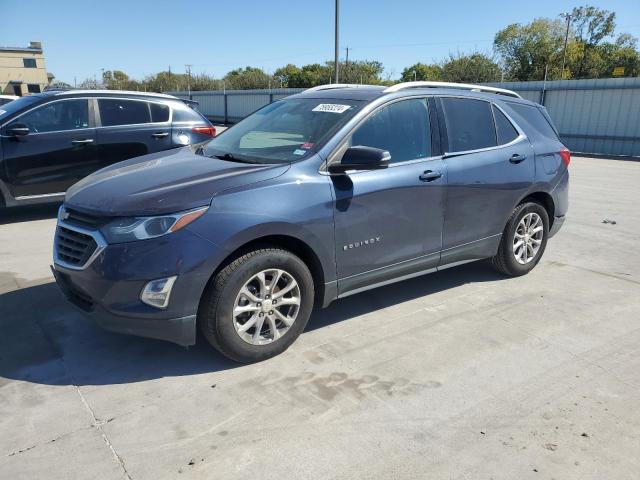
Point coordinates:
[(56, 151), (388, 222)]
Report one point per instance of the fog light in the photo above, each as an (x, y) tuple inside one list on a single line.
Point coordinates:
[(157, 292)]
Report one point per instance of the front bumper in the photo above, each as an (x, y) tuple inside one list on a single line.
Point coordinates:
[(108, 289), (177, 330)]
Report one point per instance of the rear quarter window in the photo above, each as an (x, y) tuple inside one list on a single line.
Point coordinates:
[(159, 112), (505, 130), (535, 120)]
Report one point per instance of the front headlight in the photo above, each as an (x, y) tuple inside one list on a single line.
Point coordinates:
[(130, 229)]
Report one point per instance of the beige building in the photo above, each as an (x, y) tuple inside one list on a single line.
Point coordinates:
[(22, 70)]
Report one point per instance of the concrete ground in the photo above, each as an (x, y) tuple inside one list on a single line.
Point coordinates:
[(460, 374)]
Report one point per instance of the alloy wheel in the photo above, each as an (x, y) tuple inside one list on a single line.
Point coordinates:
[(266, 306), (528, 238)]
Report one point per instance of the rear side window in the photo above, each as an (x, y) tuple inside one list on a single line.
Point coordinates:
[(469, 124), (505, 130), (159, 112), (536, 120), (402, 128), (123, 112)]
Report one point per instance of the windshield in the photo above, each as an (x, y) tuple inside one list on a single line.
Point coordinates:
[(17, 105), (284, 131)]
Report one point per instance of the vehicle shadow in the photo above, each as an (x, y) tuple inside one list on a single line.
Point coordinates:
[(44, 340), (28, 213)]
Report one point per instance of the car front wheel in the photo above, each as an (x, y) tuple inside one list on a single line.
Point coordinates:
[(257, 305)]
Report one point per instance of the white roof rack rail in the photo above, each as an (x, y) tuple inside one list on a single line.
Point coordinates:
[(463, 86), (331, 86)]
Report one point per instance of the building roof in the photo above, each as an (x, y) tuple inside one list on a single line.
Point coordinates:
[(21, 49)]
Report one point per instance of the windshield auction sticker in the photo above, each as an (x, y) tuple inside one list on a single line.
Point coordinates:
[(331, 108)]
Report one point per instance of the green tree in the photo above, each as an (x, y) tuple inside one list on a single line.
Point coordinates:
[(284, 74), (421, 71), (164, 82), (470, 68), (248, 78), (118, 80), (591, 26), (605, 57), (528, 50), (367, 72)]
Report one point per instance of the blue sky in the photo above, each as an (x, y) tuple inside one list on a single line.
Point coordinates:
[(142, 37)]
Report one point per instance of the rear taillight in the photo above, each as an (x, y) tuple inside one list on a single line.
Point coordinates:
[(209, 131), (565, 154)]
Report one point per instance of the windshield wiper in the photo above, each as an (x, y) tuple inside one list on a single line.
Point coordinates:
[(231, 158)]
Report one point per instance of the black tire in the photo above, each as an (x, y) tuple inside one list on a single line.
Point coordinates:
[(215, 315), (505, 261)]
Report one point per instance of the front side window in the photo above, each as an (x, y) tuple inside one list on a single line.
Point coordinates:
[(29, 62), (33, 88), (56, 116), (401, 128), (284, 131), (469, 124), (123, 112)]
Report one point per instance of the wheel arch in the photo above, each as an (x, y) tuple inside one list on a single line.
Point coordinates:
[(290, 243), (544, 199)]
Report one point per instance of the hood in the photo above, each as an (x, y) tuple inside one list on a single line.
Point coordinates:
[(164, 182)]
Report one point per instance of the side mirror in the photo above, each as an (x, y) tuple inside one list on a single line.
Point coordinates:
[(361, 158), (18, 130)]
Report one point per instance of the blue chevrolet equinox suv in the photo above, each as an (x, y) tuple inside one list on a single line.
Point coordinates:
[(315, 197)]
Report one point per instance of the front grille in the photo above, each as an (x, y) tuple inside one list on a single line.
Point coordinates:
[(83, 219), (74, 248)]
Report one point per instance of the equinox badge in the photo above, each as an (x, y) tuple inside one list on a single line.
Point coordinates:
[(362, 243)]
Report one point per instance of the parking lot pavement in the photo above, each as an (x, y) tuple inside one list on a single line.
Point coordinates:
[(460, 374)]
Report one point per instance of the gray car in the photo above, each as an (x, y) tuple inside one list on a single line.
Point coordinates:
[(315, 197)]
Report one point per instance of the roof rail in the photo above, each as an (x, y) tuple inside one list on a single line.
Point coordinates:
[(61, 91), (331, 86), (463, 86)]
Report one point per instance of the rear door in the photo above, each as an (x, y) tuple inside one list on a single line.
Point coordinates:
[(490, 167), (58, 150), (388, 223), (129, 128)]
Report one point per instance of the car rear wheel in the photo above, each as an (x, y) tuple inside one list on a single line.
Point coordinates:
[(523, 241), (257, 305)]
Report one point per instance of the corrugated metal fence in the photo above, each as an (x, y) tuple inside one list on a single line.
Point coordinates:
[(231, 106), (593, 116)]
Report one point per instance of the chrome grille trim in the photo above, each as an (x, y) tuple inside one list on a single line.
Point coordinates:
[(72, 250)]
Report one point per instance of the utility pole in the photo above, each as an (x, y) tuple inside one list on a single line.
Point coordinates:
[(188, 68), (346, 66), (567, 15), (337, 42)]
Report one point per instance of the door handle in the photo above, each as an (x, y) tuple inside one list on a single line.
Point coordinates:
[(160, 134), (82, 142), (430, 176), (517, 158)]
